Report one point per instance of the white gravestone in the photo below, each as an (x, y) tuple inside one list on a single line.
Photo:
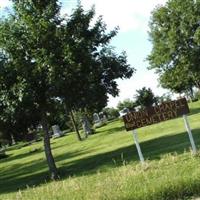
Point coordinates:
[(56, 131)]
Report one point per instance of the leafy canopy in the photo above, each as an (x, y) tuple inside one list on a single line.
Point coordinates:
[(92, 64), (174, 33)]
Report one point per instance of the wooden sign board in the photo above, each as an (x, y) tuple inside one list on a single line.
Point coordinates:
[(156, 114)]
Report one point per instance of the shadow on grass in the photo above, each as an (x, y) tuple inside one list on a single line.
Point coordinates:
[(194, 111), (19, 176), (23, 155), (152, 150), (112, 129), (115, 130)]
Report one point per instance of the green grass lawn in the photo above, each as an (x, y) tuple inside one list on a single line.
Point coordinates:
[(106, 165)]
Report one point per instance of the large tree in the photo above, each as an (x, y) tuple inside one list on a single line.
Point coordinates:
[(174, 33), (57, 58), (29, 41)]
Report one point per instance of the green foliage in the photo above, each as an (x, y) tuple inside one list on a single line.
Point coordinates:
[(58, 115), (59, 57), (30, 43), (25, 42), (177, 80), (126, 103), (165, 97), (145, 97), (174, 33), (49, 57), (111, 113), (15, 104), (92, 65)]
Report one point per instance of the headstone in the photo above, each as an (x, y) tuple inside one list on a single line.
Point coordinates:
[(56, 131), (96, 118), (104, 118), (86, 126)]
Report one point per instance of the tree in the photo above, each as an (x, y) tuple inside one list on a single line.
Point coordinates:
[(93, 66), (29, 41), (174, 33), (178, 81), (145, 97), (111, 113), (171, 80), (126, 103), (57, 58), (58, 115), (163, 98), (12, 110)]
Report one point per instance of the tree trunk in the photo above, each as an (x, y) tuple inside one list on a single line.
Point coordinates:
[(75, 125), (47, 147)]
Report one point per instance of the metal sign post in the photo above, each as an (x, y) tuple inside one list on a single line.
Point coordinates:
[(138, 146), (187, 126)]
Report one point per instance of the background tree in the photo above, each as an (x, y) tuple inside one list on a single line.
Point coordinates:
[(145, 97), (126, 103), (174, 33), (163, 98), (112, 113)]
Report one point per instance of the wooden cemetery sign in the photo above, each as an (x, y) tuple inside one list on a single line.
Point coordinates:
[(156, 114)]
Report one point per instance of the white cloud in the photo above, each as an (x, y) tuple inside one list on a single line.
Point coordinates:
[(5, 3), (128, 88), (127, 14)]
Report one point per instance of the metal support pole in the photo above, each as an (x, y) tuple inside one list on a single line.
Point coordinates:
[(187, 126), (138, 146)]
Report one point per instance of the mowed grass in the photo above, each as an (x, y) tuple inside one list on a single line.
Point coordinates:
[(106, 165)]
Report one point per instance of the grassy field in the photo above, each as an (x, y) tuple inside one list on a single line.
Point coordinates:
[(106, 165)]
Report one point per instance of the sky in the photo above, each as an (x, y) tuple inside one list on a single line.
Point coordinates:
[(132, 17)]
